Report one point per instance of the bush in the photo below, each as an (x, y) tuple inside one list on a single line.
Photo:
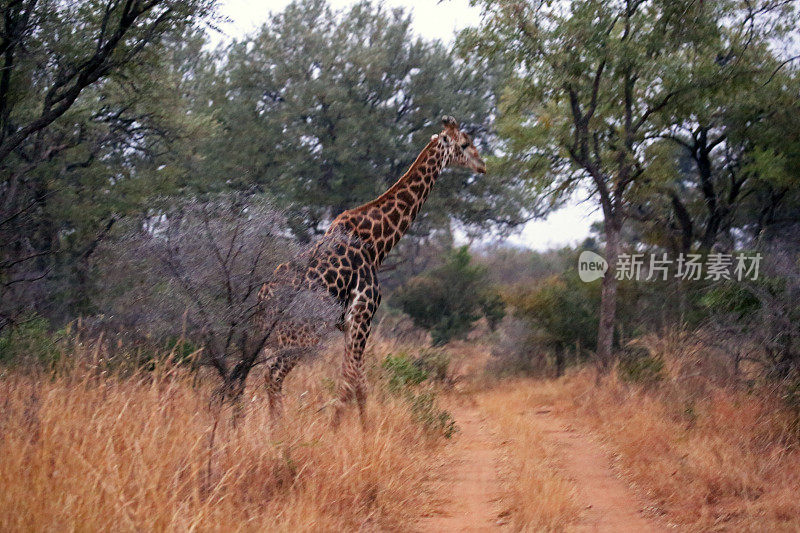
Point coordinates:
[(434, 362), (30, 340), (402, 372), (194, 272), (405, 375), (448, 300), (561, 313), (637, 365), (517, 351), (562, 306), (759, 320), (432, 418)]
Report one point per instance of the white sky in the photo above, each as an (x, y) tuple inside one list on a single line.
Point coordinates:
[(433, 20)]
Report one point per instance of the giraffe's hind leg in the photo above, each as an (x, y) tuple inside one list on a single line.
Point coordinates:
[(279, 366)]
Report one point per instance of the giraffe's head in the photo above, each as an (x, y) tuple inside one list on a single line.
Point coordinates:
[(459, 145)]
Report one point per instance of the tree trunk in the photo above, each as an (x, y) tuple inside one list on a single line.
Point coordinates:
[(559, 362), (608, 301)]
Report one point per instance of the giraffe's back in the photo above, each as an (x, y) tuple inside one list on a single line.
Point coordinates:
[(336, 266)]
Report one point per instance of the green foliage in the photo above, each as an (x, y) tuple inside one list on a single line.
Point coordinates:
[(762, 313), (405, 375), (324, 109), (638, 366), (581, 68), (731, 298), (562, 307), (447, 300), (596, 85), (580, 109), (678, 108), (30, 340), (320, 110), (743, 299), (493, 308), (428, 413), (434, 362), (402, 372), (91, 117)]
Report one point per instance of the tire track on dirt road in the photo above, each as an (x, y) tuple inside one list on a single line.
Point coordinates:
[(608, 503), (472, 490), (472, 482)]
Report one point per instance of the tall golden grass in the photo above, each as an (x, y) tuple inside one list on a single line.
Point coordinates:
[(84, 449), (725, 460), (93, 452), (708, 453)]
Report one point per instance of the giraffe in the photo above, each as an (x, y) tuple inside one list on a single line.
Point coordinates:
[(346, 260)]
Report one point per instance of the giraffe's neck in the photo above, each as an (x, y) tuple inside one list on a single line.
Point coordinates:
[(383, 221)]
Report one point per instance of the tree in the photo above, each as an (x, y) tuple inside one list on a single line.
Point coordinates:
[(563, 309), (52, 52), (448, 299), (725, 166), (83, 114), (194, 272), (590, 80), (324, 109)]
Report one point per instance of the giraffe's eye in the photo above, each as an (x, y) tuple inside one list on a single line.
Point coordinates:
[(464, 146)]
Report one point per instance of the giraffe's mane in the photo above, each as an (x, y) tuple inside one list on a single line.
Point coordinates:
[(391, 190)]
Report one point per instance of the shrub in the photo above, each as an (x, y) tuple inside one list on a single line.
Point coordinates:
[(402, 372), (562, 313), (517, 350), (562, 306), (404, 376), (194, 272), (432, 418), (759, 320), (449, 299), (493, 308), (30, 340), (637, 365), (434, 362)]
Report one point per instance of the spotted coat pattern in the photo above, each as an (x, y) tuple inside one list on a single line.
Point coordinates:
[(346, 260)]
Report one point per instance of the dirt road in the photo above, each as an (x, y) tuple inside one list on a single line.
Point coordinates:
[(472, 484), (473, 490), (608, 503)]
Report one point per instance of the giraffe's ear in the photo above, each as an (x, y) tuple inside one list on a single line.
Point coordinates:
[(449, 122)]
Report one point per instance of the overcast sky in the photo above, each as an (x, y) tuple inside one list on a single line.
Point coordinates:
[(434, 20)]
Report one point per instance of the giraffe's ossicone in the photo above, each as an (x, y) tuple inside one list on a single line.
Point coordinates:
[(344, 264)]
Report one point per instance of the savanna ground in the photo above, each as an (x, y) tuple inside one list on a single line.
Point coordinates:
[(91, 448)]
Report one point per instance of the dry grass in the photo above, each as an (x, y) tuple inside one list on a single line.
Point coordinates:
[(539, 496), (709, 456), (91, 451), (725, 460), (96, 453)]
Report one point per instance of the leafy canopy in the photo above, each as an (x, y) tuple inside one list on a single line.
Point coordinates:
[(324, 109), (449, 299)]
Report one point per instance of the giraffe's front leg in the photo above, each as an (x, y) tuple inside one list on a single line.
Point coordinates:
[(358, 323)]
